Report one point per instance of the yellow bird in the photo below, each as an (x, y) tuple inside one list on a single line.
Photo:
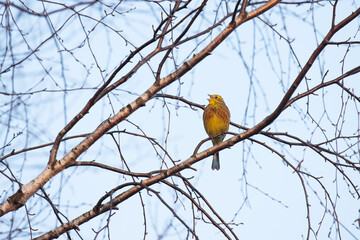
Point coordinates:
[(216, 122)]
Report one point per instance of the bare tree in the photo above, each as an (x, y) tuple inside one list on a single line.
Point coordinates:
[(101, 118)]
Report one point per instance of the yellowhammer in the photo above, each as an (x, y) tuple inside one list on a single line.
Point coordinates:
[(216, 121)]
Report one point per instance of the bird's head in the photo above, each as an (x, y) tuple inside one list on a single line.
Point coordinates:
[(215, 99)]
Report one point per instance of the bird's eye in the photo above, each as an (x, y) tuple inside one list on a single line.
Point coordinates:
[(216, 97)]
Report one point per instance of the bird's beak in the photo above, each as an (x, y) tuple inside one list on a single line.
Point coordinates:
[(210, 97)]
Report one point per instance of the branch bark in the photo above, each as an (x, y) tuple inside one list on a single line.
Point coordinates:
[(208, 152), (54, 166)]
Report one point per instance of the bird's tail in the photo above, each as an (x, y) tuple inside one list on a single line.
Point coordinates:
[(216, 162)]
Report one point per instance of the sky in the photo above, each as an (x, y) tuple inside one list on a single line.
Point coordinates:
[(251, 70)]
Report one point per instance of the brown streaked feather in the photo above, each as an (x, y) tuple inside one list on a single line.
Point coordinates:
[(216, 119)]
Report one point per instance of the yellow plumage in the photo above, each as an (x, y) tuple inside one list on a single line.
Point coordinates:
[(216, 121)]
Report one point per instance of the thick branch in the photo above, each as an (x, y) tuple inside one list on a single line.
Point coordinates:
[(17, 200), (228, 143)]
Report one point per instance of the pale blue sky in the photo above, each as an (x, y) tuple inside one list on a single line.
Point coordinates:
[(275, 206)]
